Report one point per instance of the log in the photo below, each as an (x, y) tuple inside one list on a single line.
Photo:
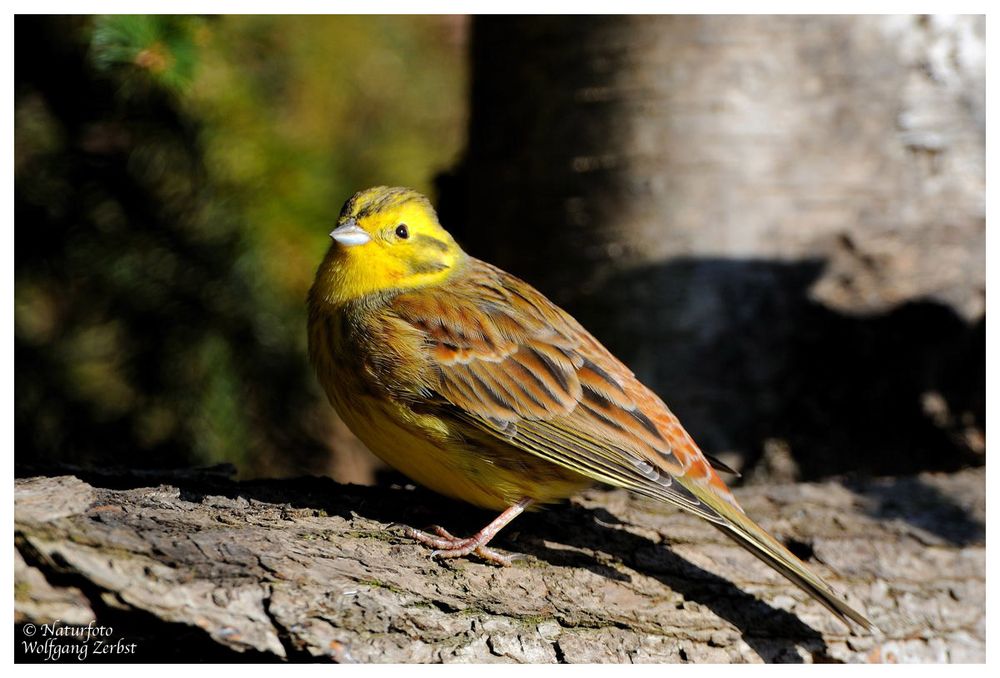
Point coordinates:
[(199, 567)]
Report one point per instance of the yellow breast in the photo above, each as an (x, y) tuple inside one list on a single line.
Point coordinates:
[(437, 453)]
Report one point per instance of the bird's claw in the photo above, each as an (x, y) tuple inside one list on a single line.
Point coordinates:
[(448, 546)]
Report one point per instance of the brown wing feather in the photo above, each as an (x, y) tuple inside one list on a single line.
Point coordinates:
[(507, 362), (512, 364)]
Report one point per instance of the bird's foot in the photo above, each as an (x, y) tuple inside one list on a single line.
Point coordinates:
[(447, 545)]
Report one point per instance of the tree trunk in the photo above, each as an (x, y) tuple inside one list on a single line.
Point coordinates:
[(777, 222), (195, 567)]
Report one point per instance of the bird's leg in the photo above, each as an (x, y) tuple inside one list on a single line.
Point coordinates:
[(450, 546)]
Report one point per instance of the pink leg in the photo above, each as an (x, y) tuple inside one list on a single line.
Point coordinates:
[(449, 546)]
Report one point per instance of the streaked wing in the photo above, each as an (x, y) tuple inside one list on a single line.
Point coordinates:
[(510, 363), (507, 362)]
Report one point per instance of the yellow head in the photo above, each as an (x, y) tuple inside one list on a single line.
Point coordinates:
[(386, 239)]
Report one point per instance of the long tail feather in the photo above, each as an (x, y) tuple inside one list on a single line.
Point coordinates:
[(754, 539)]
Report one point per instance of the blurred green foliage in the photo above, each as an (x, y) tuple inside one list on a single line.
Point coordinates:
[(161, 48), (301, 112), (175, 179)]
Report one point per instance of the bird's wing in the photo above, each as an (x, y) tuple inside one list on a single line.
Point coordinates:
[(508, 362), (515, 366)]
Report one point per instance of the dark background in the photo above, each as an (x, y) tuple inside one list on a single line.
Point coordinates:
[(777, 222)]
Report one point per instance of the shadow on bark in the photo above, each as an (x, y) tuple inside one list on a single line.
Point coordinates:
[(923, 506), (759, 623)]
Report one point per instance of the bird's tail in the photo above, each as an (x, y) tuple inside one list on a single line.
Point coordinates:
[(754, 539), (731, 520)]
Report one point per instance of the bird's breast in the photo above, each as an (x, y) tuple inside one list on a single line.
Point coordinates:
[(434, 450)]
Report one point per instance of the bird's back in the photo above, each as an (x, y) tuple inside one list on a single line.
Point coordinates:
[(504, 361)]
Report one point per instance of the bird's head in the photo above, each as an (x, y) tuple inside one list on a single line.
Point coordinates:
[(386, 239)]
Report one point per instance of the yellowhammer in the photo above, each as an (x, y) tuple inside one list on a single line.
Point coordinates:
[(475, 385)]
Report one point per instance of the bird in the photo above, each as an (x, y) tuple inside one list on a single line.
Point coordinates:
[(473, 384)]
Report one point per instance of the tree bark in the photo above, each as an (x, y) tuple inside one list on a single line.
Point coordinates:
[(776, 221), (198, 567)]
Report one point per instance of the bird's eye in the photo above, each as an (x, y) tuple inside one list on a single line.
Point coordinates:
[(402, 231)]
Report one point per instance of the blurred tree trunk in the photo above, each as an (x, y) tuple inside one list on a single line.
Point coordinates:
[(777, 222)]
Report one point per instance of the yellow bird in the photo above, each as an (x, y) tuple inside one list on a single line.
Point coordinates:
[(473, 384)]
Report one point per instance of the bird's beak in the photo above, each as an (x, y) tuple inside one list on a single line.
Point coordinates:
[(350, 234)]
